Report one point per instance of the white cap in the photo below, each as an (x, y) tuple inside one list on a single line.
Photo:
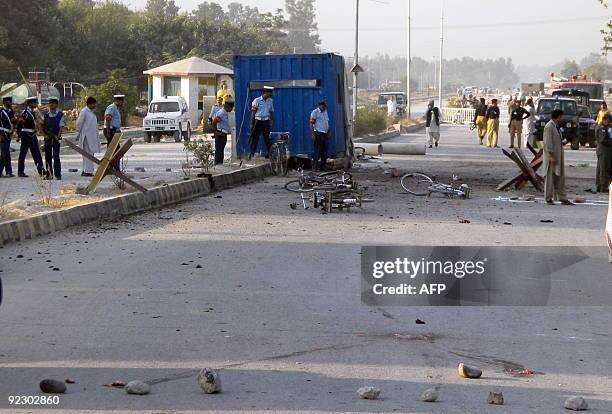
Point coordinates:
[(269, 88), (118, 96), (32, 98), (7, 97)]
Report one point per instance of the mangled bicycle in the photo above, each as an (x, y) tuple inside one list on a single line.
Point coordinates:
[(422, 185)]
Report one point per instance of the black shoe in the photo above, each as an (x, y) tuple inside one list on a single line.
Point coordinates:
[(84, 174), (22, 175), (431, 146), (511, 146), (567, 203), (9, 175), (550, 202), (436, 145)]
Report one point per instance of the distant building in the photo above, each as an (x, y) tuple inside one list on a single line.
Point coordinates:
[(194, 78)]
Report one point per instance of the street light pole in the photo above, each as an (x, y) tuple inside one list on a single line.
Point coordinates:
[(408, 58), (441, 54), (356, 61)]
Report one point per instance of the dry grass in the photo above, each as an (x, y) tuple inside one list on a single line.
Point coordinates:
[(3, 198), (68, 195)]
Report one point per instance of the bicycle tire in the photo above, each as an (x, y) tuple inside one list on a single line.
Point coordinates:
[(284, 161), (347, 175), (296, 186), (416, 184), (274, 159)]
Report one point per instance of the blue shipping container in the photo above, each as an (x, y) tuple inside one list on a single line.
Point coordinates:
[(300, 82)]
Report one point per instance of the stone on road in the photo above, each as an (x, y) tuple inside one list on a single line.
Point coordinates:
[(209, 381), (429, 395), (52, 386), (368, 393), (495, 398), (137, 387), (576, 404)]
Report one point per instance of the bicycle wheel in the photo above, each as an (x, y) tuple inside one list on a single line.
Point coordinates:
[(327, 174), (283, 161), (297, 186), (416, 184), (274, 159)]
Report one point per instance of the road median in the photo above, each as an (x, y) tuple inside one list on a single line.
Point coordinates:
[(125, 204)]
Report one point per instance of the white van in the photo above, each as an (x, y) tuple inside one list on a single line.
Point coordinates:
[(168, 116)]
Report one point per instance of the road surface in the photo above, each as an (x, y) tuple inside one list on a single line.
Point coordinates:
[(271, 296)]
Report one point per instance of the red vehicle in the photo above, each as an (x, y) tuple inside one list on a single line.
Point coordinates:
[(594, 89)]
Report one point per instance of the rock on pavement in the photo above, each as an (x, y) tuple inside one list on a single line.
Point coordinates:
[(430, 395), (209, 380), (137, 388), (368, 393), (576, 404), (495, 398), (52, 386)]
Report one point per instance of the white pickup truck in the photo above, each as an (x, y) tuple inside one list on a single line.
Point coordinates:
[(168, 116)]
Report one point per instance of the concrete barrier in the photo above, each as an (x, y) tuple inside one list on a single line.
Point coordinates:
[(132, 203)]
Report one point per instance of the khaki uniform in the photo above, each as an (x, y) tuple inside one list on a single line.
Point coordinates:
[(516, 131), (555, 175), (480, 121), (492, 126), (604, 159)]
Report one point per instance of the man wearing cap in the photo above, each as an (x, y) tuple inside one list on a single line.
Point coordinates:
[(7, 119), (479, 120), (87, 131), (492, 116), (319, 125), (603, 135), (517, 116), (221, 128), (262, 119), (29, 141), (112, 118), (53, 127)]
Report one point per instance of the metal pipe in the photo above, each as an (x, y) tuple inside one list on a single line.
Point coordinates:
[(408, 56), (440, 104), (356, 61), (370, 149), (412, 148)]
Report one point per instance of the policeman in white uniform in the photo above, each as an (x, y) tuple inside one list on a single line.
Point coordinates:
[(262, 119)]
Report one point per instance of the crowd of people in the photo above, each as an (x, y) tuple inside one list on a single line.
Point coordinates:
[(51, 124)]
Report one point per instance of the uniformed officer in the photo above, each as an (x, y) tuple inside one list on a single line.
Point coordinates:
[(479, 120), (222, 129), (29, 141), (7, 119), (492, 116), (319, 125), (53, 127), (112, 118), (262, 119), (517, 116)]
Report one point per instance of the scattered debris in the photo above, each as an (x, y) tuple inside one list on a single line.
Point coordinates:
[(116, 384), (293, 206), (464, 221), (368, 393), (576, 404), (209, 381), (140, 169), (218, 196), (495, 398), (507, 223), (547, 221), (468, 372), (168, 169), (580, 200), (419, 322), (73, 170), (51, 386), (137, 388), (69, 381), (430, 395)]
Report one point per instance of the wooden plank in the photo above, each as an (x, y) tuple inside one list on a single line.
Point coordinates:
[(105, 162), (532, 176)]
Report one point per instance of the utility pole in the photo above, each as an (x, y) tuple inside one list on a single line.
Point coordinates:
[(408, 58), (441, 54), (356, 62)]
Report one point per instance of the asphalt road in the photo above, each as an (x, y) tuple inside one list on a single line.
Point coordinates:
[(271, 296)]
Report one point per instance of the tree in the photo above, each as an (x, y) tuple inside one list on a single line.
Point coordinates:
[(570, 68), (163, 7), (302, 27), (116, 83), (241, 15), (210, 11), (606, 32)]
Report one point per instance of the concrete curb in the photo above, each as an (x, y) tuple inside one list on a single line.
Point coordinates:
[(412, 128), (47, 223)]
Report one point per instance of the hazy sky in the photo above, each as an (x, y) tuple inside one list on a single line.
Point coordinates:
[(520, 29)]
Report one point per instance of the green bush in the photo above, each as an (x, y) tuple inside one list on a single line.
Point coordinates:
[(116, 83), (370, 120)]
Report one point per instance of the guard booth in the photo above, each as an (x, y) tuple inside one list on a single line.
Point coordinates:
[(300, 82)]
